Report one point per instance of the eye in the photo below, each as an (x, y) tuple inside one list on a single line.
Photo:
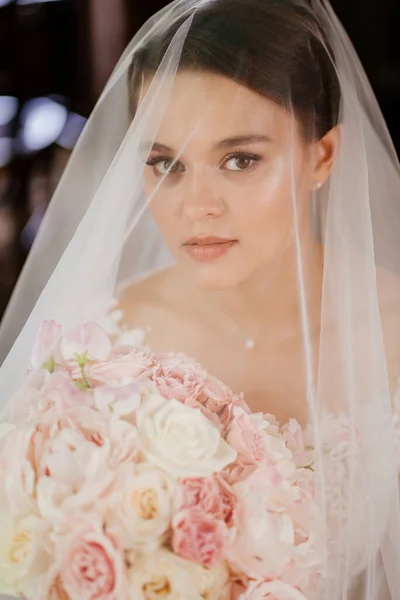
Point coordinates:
[(165, 166), (240, 161)]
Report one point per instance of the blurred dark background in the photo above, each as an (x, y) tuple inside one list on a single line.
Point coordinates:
[(55, 57)]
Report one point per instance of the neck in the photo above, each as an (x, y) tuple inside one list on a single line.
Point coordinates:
[(274, 299)]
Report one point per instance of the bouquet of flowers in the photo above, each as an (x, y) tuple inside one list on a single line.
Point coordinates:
[(133, 475)]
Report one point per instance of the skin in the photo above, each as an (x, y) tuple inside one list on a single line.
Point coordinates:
[(208, 174)]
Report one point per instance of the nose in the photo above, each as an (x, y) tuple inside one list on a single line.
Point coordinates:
[(202, 198)]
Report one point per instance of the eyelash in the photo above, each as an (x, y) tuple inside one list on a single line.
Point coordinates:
[(152, 162)]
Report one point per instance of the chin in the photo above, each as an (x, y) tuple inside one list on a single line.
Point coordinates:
[(216, 277)]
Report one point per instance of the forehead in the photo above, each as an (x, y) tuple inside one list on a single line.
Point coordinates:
[(204, 108)]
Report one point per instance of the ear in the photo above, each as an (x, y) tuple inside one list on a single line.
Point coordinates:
[(326, 151)]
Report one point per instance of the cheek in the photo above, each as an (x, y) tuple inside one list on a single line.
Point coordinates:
[(164, 215), (267, 225), (157, 202), (265, 213), (270, 215)]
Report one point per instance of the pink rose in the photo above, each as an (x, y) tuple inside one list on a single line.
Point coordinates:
[(198, 537), (79, 459), (180, 378), (305, 479), (185, 380), (65, 459), (265, 539), (228, 500), (121, 367), (211, 416), (281, 525), (256, 439), (211, 495), (91, 567), (293, 435), (237, 402), (216, 395), (106, 430), (234, 473), (75, 475), (271, 590)]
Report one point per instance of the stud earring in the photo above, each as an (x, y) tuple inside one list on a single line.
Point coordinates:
[(318, 185)]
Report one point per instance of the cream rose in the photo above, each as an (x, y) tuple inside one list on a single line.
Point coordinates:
[(142, 506), (165, 575), (180, 439), (21, 553)]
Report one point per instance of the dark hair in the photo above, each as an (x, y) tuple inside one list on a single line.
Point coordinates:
[(273, 47)]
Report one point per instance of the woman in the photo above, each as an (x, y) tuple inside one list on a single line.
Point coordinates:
[(225, 210), (239, 196)]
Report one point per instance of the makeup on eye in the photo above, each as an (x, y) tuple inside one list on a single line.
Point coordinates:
[(171, 166), (236, 161), (241, 157)]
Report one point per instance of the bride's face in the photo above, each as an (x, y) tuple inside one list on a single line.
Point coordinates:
[(226, 206)]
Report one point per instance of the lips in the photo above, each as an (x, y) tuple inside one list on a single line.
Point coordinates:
[(209, 248), (207, 241)]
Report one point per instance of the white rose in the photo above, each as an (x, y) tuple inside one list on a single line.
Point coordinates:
[(22, 554), (180, 439), (142, 507), (166, 575)]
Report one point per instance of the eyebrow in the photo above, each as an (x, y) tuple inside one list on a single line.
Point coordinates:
[(242, 140), (156, 147), (226, 143)]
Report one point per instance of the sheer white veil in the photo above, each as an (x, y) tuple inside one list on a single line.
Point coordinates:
[(98, 232)]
